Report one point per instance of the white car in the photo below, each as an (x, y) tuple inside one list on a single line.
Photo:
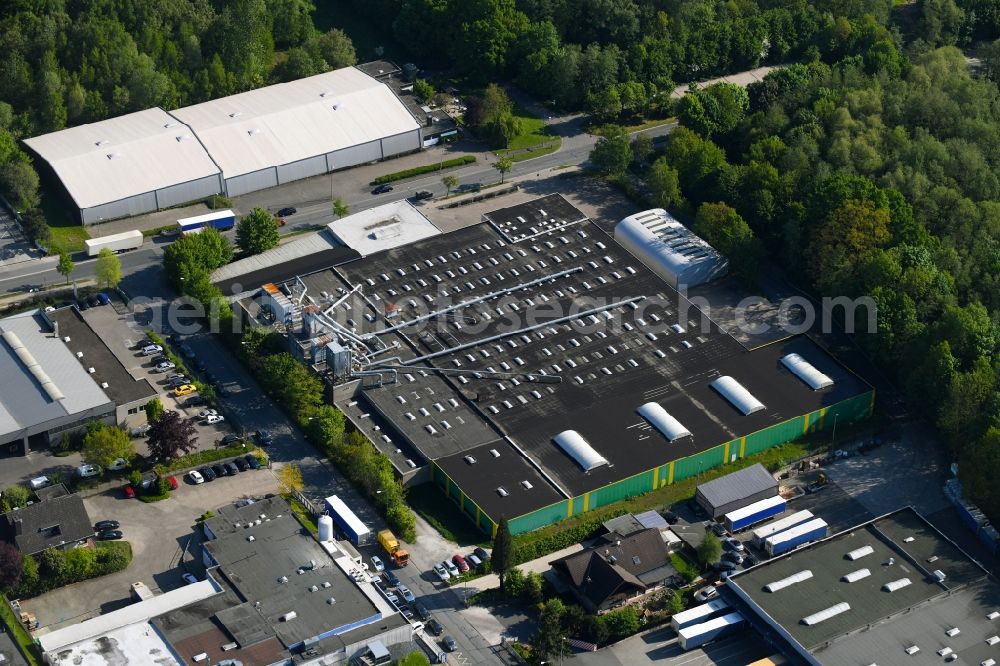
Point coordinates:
[(441, 572), (215, 418), (149, 350), (205, 413), (163, 367), (87, 471), (377, 563), (196, 477), (189, 579), (451, 568), (706, 593), (118, 465), (405, 591)]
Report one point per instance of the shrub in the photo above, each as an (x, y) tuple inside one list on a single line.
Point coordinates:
[(218, 202), (54, 568), (421, 170)]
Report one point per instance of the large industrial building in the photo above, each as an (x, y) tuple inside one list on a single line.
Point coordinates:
[(892, 591), (534, 369), (156, 159), (58, 376)]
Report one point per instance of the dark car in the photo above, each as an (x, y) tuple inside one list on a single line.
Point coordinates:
[(450, 644), (481, 554), (286, 211), (110, 535), (105, 525), (723, 565), (82, 304), (229, 440), (241, 464), (391, 579), (750, 560), (732, 556), (252, 461), (194, 401), (219, 470), (670, 517), (93, 301), (435, 627), (421, 195), (421, 611), (382, 189), (103, 298), (207, 473), (718, 529), (263, 437), (231, 469)]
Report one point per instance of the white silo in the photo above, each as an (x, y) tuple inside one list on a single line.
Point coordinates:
[(325, 528)]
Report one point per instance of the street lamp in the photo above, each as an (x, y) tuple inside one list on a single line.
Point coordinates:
[(833, 437)]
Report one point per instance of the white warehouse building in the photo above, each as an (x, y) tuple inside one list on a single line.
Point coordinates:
[(155, 159), (670, 249)]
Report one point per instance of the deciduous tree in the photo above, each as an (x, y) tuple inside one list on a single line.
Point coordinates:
[(502, 557), (290, 479), (103, 444), (613, 152), (170, 436), (503, 165), (710, 550), (257, 232), (11, 565), (340, 208), (108, 269), (65, 265)]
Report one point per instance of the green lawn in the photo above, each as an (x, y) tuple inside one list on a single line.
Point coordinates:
[(67, 234), (534, 140)]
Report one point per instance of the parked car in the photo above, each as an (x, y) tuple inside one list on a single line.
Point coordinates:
[(450, 566), (219, 471), (193, 401), (172, 481), (441, 572), (473, 560), (392, 597), (421, 195), (128, 492), (382, 189), (184, 389), (175, 375), (377, 563), (230, 439), (732, 556), (718, 529), (110, 535), (421, 612), (149, 350), (103, 298), (405, 591), (105, 525), (706, 593), (450, 644), (189, 579), (38, 482), (263, 437), (460, 562), (750, 560), (88, 471), (481, 554), (434, 627), (241, 463), (215, 418), (205, 413), (252, 461), (286, 211), (231, 469), (119, 463), (671, 517), (723, 565), (80, 305), (207, 473), (391, 579), (178, 381), (196, 477), (729, 543), (407, 613), (163, 366)]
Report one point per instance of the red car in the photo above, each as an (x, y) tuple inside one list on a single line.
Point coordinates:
[(460, 562), (128, 492), (172, 480)]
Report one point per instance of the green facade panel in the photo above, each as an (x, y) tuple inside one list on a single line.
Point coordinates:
[(541, 517), (630, 487), (700, 462)]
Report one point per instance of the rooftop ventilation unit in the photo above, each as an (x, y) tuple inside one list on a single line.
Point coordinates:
[(826, 613), (101, 142), (855, 576), (527, 484), (331, 601), (790, 580), (494, 453), (660, 419), (502, 492), (858, 553), (91, 370), (251, 538), (412, 464), (944, 652), (737, 395), (235, 114), (993, 615), (988, 662), (576, 447), (66, 339), (104, 385), (289, 616), (894, 585), (912, 650), (201, 656), (470, 460), (993, 640), (807, 372), (954, 631), (938, 575)]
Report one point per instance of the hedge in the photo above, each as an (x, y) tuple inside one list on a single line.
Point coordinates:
[(200, 458), (421, 170), (54, 568)]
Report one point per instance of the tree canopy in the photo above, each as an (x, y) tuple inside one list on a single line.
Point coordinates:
[(104, 444), (257, 232), (170, 436)]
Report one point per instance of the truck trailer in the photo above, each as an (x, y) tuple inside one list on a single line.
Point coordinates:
[(782, 542), (391, 544), (698, 614), (697, 635), (123, 242), (223, 220), (752, 514), (780, 525), (356, 531)]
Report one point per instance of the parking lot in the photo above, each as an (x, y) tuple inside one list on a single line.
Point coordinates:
[(164, 544)]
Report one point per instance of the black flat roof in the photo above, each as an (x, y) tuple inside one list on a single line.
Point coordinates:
[(632, 340), (285, 271)]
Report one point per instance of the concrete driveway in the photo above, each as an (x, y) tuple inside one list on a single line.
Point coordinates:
[(162, 536)]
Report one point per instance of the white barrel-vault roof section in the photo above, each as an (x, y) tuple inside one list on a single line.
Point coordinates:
[(293, 121), (737, 395), (579, 449), (806, 371), (122, 157), (660, 419)]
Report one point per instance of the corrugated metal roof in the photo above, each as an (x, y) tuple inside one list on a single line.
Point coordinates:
[(292, 121), (121, 157), (736, 486)]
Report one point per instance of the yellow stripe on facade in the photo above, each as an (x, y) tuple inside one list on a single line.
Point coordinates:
[(569, 508), (743, 446), (805, 423), (586, 502), (822, 417), (670, 473), (656, 477), (725, 454)]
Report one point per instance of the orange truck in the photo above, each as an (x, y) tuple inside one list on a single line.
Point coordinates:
[(391, 544)]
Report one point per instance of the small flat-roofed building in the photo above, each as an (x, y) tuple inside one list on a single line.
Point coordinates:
[(735, 491), (59, 376), (892, 591)]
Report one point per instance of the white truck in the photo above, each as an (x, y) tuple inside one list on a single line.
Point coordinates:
[(123, 242)]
